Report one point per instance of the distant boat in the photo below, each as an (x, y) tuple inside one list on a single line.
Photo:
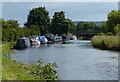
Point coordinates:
[(65, 39), (58, 39), (73, 37), (34, 40), (43, 40), (23, 43), (50, 38)]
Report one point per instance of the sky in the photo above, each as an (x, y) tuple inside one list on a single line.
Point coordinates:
[(76, 11)]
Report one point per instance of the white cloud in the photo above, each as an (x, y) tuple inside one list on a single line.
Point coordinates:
[(60, 0)]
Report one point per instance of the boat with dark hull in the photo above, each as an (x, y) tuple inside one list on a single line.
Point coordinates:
[(65, 39)]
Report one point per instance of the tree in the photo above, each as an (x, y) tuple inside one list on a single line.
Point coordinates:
[(11, 30), (87, 26), (113, 20), (117, 29), (38, 16), (103, 27), (59, 23), (10, 24), (72, 26)]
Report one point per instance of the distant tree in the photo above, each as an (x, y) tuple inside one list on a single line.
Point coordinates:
[(103, 27), (34, 30), (87, 26), (113, 20), (11, 30), (38, 16), (72, 27), (59, 24), (10, 24)]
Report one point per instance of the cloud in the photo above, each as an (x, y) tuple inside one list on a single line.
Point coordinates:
[(60, 0), (88, 11)]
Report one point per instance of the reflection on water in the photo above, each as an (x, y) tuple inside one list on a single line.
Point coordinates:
[(76, 60)]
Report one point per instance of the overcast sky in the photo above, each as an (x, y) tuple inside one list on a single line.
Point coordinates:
[(76, 11)]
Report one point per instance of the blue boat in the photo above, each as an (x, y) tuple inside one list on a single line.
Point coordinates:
[(43, 40)]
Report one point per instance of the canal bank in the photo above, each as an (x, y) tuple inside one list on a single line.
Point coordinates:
[(15, 70), (76, 60), (11, 69)]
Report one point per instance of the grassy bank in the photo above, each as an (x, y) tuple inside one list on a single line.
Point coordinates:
[(12, 70), (106, 42)]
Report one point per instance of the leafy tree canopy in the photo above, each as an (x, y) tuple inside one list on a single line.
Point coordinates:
[(59, 23), (38, 16), (113, 20)]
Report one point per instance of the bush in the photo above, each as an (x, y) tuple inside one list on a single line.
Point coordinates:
[(47, 71), (109, 33), (101, 34)]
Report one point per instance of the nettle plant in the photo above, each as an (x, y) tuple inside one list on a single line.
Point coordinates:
[(47, 71)]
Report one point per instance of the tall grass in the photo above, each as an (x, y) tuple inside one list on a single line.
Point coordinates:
[(106, 42)]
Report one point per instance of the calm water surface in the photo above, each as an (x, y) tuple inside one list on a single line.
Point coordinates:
[(77, 60)]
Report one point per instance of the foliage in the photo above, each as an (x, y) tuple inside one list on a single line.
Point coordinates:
[(59, 24), (106, 42), (12, 70), (113, 20), (72, 27), (47, 71), (103, 27), (101, 34), (10, 24), (117, 29), (11, 30), (70, 34), (87, 26), (38, 16), (108, 33)]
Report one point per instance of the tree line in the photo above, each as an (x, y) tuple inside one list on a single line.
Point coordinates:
[(39, 23)]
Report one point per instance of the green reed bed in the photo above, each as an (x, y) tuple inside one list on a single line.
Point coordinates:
[(106, 42)]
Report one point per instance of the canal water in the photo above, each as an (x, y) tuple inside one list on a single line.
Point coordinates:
[(76, 60)]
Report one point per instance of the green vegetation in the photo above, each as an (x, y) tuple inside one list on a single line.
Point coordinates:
[(106, 42), (11, 30), (110, 38), (113, 20), (87, 26), (39, 18), (59, 24), (12, 70)]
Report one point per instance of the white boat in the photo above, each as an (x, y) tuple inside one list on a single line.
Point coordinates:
[(35, 40), (73, 37)]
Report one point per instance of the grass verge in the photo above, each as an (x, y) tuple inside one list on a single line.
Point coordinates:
[(12, 70)]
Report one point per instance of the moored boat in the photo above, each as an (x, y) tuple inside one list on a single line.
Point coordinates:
[(35, 40), (43, 40)]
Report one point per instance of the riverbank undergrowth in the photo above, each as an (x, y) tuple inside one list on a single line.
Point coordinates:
[(13, 70), (106, 42)]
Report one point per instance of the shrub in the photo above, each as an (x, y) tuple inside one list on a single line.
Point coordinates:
[(47, 71), (101, 34)]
